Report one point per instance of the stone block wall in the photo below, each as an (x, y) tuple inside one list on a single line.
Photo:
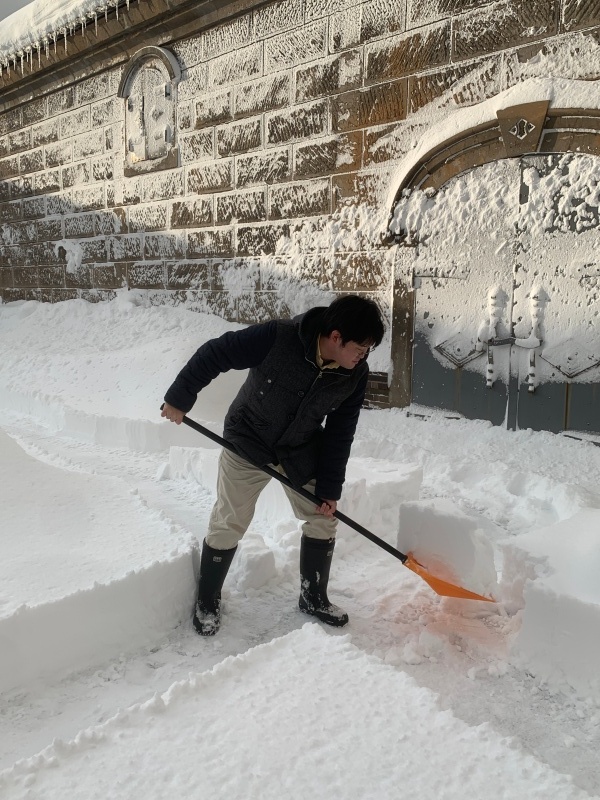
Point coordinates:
[(291, 119)]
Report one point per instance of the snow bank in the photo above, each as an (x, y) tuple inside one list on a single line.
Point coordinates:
[(295, 702), (372, 494), (552, 575), (450, 544), (86, 570)]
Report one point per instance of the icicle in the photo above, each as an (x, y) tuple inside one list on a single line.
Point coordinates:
[(117, 8), (83, 27), (106, 13), (54, 38), (127, 1), (21, 62), (66, 43), (96, 22)]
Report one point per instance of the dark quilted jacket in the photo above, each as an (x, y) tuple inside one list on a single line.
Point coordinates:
[(288, 411)]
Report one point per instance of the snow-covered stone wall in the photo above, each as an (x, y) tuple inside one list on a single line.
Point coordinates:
[(290, 122)]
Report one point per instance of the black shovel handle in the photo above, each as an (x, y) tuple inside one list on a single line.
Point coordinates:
[(300, 490)]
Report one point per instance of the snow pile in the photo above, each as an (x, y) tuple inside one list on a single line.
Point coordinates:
[(38, 25), (552, 574), (450, 544), (303, 692), (86, 570)]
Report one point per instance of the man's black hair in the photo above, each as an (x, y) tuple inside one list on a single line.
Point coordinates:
[(358, 319)]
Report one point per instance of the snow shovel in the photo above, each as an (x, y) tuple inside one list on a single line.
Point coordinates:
[(439, 586)]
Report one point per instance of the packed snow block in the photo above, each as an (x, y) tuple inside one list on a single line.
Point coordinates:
[(552, 575), (259, 705), (375, 489), (87, 570), (450, 544)]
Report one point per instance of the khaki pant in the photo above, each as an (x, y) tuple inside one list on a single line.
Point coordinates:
[(239, 484)]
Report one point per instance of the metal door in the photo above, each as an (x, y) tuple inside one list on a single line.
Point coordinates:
[(507, 279)]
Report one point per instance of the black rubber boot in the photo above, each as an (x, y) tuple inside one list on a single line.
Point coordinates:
[(214, 566), (315, 563)]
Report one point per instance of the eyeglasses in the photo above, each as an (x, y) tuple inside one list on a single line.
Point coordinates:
[(363, 352)]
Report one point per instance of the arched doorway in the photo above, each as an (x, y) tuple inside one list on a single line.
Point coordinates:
[(501, 282)]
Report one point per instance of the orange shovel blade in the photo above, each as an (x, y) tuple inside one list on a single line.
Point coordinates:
[(441, 587)]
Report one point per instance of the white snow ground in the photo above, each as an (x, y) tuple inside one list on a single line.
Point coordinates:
[(107, 691)]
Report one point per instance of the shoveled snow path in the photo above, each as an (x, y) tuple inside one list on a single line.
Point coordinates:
[(389, 609)]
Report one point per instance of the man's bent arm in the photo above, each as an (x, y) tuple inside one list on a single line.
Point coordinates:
[(233, 350)]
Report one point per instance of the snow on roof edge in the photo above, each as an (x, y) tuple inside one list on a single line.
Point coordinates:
[(560, 92), (41, 23)]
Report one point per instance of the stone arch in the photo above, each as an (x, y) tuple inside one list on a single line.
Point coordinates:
[(516, 130), (148, 87)]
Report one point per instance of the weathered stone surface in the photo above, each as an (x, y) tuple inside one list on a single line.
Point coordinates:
[(360, 271), (9, 167), (468, 84), (162, 185), (111, 222), (373, 106), (75, 174), (124, 248), (580, 14), (318, 269), (79, 225), (299, 199), (16, 189), (132, 192), (193, 82), (213, 177), (76, 122), (262, 95), (202, 244), (261, 307), (110, 276), (227, 37), (197, 147), (88, 144), (52, 276), (385, 143), (329, 77), (263, 239), (58, 154), (380, 18), (31, 161), (189, 275), (148, 218), (88, 198), (370, 188), (4, 147), (107, 111), (146, 276), (19, 233), (10, 121), (296, 47), (242, 273), (270, 167), (61, 101), (59, 203), (241, 207), (93, 88), (35, 111), (344, 30), (93, 251), (298, 123), (502, 25), (103, 168), (277, 17), (46, 182), (239, 137), (163, 246), (26, 276), (422, 12), (185, 116), (328, 156), (402, 55), (322, 8), (192, 213), (214, 108), (188, 51), (20, 140), (12, 211), (6, 278), (45, 133), (49, 229), (235, 67), (79, 278)]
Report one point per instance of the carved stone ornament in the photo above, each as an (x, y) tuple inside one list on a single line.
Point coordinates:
[(149, 86)]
